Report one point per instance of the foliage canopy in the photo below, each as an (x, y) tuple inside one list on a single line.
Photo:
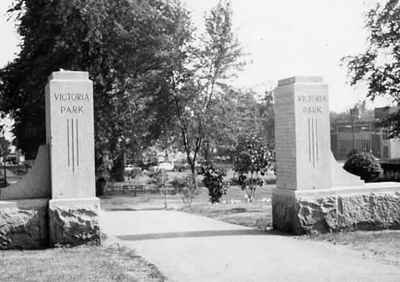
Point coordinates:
[(379, 65), (130, 49)]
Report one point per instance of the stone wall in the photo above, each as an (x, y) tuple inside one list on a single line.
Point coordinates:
[(23, 224), (332, 212)]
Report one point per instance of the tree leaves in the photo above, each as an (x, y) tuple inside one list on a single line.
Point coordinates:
[(129, 48), (379, 65)]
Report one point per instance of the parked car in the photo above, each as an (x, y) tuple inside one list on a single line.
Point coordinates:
[(165, 166)]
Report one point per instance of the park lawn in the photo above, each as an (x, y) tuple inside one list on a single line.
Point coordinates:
[(112, 263), (255, 215), (383, 244)]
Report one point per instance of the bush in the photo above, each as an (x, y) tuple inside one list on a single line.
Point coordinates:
[(363, 165), (214, 181), (352, 152)]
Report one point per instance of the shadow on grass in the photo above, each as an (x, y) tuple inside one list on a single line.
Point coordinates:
[(140, 209), (198, 234)]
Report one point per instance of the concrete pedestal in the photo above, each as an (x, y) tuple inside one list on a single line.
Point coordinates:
[(74, 222), (370, 206)]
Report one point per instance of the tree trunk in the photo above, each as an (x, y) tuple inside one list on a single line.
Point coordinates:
[(193, 189), (194, 176), (118, 169)]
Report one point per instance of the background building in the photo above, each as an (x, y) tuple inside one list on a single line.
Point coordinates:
[(363, 134)]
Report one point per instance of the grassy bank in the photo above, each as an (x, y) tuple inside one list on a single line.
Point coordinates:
[(383, 244), (111, 263), (255, 215)]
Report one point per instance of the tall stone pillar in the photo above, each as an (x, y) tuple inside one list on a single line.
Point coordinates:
[(305, 165), (302, 133), (73, 208)]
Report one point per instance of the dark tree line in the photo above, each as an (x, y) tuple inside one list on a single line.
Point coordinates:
[(130, 49), (155, 78)]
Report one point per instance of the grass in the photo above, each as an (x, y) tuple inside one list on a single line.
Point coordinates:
[(383, 244), (156, 201), (111, 263), (255, 215)]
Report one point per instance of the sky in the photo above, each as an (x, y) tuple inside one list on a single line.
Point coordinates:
[(281, 39)]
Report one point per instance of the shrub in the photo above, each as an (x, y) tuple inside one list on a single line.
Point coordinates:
[(363, 165), (214, 181), (352, 152)]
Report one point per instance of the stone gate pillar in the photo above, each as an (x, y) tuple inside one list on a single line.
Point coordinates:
[(306, 169), (302, 133), (73, 208)]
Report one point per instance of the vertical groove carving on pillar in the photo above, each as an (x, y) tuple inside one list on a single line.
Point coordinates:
[(313, 141), (316, 140), (77, 143), (73, 147), (68, 147), (309, 139)]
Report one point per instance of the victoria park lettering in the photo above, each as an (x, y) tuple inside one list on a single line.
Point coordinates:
[(75, 98), (312, 103)]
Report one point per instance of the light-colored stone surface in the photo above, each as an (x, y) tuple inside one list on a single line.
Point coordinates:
[(302, 136), (70, 134), (74, 222), (23, 224), (192, 248), (73, 210), (303, 154), (367, 207), (340, 177), (63, 170), (36, 184)]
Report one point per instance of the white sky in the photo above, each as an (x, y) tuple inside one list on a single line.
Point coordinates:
[(282, 38)]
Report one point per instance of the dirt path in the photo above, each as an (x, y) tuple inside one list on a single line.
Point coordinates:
[(188, 247)]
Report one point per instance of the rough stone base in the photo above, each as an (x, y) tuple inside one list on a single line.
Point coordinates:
[(23, 224), (74, 222), (368, 207)]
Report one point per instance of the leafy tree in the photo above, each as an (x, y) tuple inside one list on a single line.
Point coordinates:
[(239, 112), (379, 65), (198, 85), (130, 49), (251, 160)]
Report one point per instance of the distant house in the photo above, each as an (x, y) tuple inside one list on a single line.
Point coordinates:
[(365, 136)]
